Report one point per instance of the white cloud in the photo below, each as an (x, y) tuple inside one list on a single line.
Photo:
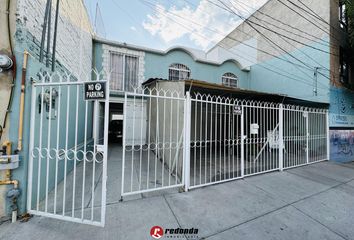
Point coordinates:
[(205, 25), (133, 28)]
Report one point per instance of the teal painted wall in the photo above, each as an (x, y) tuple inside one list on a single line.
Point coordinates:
[(342, 108), (97, 57), (26, 41), (156, 66), (301, 83)]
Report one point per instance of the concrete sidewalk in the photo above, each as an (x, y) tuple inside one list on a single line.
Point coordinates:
[(312, 202)]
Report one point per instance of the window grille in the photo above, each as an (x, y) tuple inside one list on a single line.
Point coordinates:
[(179, 72), (230, 80), (124, 72)]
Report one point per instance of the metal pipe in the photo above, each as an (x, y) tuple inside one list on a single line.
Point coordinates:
[(48, 33), (44, 31), (10, 182), (55, 35), (22, 101)]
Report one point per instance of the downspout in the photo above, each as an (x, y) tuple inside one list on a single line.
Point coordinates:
[(22, 102)]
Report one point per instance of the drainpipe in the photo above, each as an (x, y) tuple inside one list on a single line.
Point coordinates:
[(22, 102)]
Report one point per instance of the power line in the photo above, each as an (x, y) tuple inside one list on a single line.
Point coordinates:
[(311, 12), (269, 69), (129, 15), (264, 36), (243, 43), (307, 36), (250, 22), (276, 49), (314, 24), (247, 21), (295, 47), (290, 26), (318, 16)]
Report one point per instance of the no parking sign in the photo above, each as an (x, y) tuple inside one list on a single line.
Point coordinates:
[(95, 90)]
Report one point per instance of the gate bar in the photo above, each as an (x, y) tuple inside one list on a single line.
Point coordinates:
[(186, 141), (280, 138), (327, 130), (31, 144)]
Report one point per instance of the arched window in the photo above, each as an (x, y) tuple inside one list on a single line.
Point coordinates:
[(230, 80), (178, 71)]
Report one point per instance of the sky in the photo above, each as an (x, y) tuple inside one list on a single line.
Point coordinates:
[(161, 24)]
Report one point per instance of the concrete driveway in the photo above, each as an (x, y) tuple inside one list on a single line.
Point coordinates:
[(312, 202)]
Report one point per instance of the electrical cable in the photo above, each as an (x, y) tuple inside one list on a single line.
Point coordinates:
[(247, 21), (250, 22), (264, 36), (243, 43), (314, 24), (304, 53), (325, 43), (296, 79)]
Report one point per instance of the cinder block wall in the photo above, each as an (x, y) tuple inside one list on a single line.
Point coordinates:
[(74, 39)]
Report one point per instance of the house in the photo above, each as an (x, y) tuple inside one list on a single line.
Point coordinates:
[(305, 60), (225, 109)]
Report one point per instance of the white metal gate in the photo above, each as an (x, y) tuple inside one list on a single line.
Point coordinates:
[(153, 146), (232, 139), (68, 151), (222, 139)]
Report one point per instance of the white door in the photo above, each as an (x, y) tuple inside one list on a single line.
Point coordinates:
[(135, 118)]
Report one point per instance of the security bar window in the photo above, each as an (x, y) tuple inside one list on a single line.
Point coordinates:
[(124, 72), (344, 70), (343, 18), (230, 80), (178, 72)]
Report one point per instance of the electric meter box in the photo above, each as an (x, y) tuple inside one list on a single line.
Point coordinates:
[(5, 62), (254, 128)]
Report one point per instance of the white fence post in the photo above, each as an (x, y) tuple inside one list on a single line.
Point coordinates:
[(187, 139), (242, 143), (328, 140), (281, 138), (307, 137), (124, 142)]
